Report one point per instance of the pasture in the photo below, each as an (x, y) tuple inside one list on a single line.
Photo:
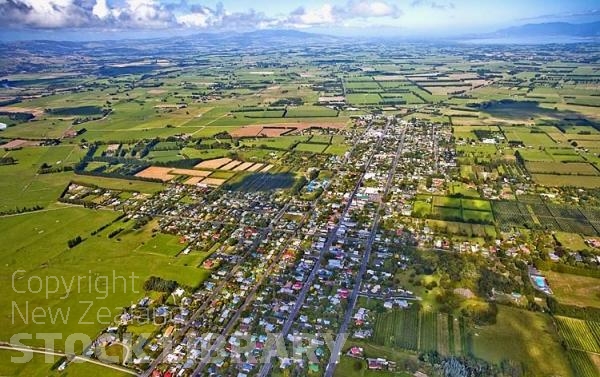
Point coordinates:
[(524, 337), (574, 289), (21, 185), (37, 244)]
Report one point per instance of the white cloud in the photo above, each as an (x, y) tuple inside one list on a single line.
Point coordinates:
[(101, 10), (317, 16), (156, 14), (366, 9)]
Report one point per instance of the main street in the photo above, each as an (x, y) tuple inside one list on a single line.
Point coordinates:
[(343, 330), (264, 371)]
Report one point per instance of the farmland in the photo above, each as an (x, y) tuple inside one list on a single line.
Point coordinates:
[(522, 336), (454, 209), (582, 339), (420, 331), (399, 193), (44, 253)]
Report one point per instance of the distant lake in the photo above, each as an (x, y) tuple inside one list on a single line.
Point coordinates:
[(528, 40)]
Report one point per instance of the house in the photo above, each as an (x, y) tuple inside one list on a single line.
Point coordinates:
[(356, 352), (377, 364)]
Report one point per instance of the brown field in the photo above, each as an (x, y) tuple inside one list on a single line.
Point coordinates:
[(213, 164), (230, 165), (18, 143), (243, 166), (279, 129), (477, 83), (305, 125), (390, 78), (574, 289), (193, 173), (274, 131), (156, 172), (255, 131), (194, 180), (156, 91), (260, 130), (246, 131), (463, 76), (213, 181), (444, 90), (267, 168), (35, 111), (255, 167)]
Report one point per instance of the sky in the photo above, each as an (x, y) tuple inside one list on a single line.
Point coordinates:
[(95, 19)]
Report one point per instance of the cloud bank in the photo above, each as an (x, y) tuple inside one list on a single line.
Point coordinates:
[(154, 14)]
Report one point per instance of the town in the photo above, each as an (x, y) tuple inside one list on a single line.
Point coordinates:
[(296, 204)]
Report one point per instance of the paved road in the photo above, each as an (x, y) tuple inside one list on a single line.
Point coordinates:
[(343, 330), (266, 368)]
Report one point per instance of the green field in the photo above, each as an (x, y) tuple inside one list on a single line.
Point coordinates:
[(38, 367), (454, 209), (573, 289), (414, 330), (524, 337), (162, 244), (312, 148), (21, 185), (37, 244)]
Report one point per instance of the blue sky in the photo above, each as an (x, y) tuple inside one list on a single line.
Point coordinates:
[(39, 18)]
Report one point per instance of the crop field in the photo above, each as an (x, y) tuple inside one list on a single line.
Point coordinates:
[(261, 181), (418, 331), (582, 363), (582, 339), (397, 329), (454, 209), (578, 334), (566, 218)]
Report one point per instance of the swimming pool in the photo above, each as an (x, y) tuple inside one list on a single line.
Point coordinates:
[(540, 281)]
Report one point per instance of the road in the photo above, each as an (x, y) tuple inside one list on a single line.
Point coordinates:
[(7, 346), (343, 330), (264, 371)]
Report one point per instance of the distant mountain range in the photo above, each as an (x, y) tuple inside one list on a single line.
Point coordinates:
[(591, 29)]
